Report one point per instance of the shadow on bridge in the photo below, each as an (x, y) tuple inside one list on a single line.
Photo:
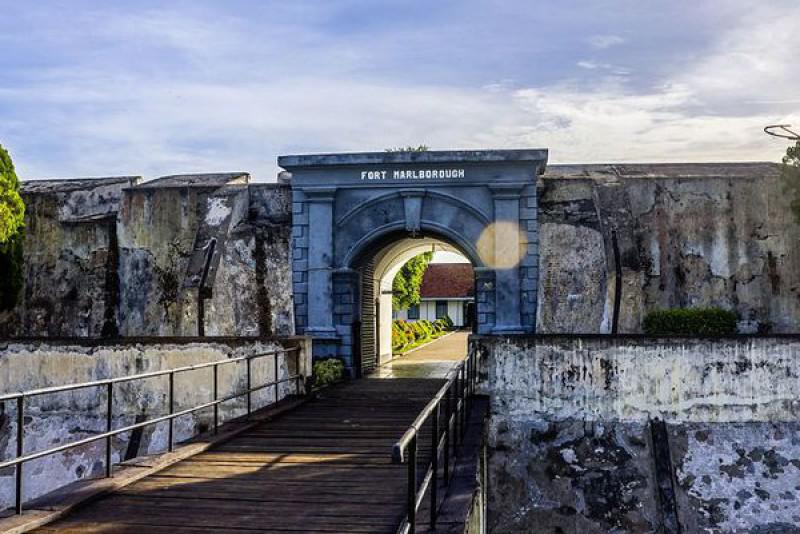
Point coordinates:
[(323, 467)]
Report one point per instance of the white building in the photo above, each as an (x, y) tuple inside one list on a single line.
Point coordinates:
[(447, 289)]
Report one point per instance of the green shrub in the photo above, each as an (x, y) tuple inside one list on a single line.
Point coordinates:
[(408, 334), (399, 338), (692, 321), (328, 371), (446, 321)]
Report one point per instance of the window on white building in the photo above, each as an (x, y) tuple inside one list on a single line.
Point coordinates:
[(441, 309)]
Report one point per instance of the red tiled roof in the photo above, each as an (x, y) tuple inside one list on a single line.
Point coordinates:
[(448, 280)]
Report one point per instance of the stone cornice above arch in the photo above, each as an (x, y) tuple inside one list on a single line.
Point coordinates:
[(320, 194)]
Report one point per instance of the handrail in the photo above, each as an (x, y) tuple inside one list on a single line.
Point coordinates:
[(399, 448), (129, 378), (460, 385), (20, 397)]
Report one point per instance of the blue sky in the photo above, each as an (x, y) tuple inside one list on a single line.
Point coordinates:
[(98, 88)]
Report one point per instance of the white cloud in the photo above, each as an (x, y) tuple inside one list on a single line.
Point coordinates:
[(605, 41), (238, 111)]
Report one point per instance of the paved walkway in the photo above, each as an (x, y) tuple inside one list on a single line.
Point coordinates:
[(430, 361), (322, 467)]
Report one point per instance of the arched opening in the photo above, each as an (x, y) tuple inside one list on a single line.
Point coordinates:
[(377, 264), (349, 210)]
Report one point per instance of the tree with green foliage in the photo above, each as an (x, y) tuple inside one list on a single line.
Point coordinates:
[(12, 214), (12, 209), (791, 177), (408, 280)]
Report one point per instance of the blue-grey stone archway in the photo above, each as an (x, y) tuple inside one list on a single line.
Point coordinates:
[(347, 207)]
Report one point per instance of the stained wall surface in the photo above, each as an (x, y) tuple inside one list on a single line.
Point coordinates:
[(224, 243), (59, 418), (666, 236), (118, 256), (70, 259), (600, 434)]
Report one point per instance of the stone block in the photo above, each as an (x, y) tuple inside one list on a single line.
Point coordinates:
[(529, 284), (569, 476), (300, 288), (343, 308)]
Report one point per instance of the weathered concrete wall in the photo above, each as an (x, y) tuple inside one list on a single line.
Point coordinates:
[(595, 434), (70, 259), (675, 235), (156, 237), (107, 257), (252, 293), (672, 236), (164, 248), (65, 417)]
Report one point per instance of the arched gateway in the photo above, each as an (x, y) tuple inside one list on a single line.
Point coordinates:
[(357, 216)]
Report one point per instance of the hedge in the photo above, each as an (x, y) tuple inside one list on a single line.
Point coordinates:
[(406, 335), (692, 321)]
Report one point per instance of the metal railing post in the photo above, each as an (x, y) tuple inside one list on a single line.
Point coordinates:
[(463, 404), (20, 448), (171, 411), (109, 412), (296, 371), (470, 382), (412, 485), (448, 416), (249, 387), (216, 396), (276, 377), (457, 414), (435, 466)]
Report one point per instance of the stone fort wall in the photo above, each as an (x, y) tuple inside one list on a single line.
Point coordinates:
[(666, 236), (113, 257), (108, 257), (629, 434)]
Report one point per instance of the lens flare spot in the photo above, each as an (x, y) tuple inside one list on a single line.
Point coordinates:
[(499, 245)]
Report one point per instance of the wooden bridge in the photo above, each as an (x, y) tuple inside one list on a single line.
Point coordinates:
[(325, 466)]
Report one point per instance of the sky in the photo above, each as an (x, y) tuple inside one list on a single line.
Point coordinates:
[(445, 256), (99, 88)]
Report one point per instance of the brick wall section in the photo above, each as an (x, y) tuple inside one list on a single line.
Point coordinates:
[(529, 266), (484, 299), (300, 260)]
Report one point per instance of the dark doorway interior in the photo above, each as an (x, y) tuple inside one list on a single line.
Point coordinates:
[(469, 316)]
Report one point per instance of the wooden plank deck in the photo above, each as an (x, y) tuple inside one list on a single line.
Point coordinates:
[(324, 467)]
